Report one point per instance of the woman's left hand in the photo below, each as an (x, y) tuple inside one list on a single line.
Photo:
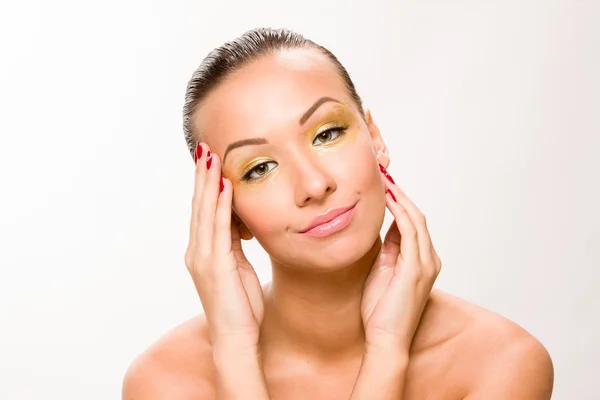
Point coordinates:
[(401, 277)]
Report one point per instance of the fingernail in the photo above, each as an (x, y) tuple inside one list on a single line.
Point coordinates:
[(222, 184), (385, 173), (197, 152), (208, 160), (392, 194)]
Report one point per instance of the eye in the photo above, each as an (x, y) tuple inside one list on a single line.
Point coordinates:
[(258, 171), (326, 136)]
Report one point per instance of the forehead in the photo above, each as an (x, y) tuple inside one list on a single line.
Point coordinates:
[(267, 96)]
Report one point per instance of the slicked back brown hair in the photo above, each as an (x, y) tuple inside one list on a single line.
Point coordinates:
[(233, 55)]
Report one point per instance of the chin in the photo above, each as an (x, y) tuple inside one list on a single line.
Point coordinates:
[(346, 252), (339, 250), (335, 251)]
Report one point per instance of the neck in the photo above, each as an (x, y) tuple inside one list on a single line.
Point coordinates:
[(316, 315)]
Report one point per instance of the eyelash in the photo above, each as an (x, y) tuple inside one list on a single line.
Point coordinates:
[(341, 129)]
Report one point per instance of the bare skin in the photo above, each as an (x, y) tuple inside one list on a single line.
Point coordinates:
[(314, 334), (448, 360)]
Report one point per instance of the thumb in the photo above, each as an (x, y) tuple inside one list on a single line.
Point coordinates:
[(391, 245), (236, 244)]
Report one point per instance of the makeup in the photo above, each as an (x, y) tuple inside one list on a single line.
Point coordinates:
[(338, 117), (255, 167), (335, 225), (336, 127)]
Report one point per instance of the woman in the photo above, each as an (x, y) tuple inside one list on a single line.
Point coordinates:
[(276, 119)]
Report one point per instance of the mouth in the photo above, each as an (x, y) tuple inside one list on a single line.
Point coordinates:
[(333, 221)]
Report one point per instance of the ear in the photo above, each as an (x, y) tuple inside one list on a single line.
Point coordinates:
[(245, 233), (378, 144)]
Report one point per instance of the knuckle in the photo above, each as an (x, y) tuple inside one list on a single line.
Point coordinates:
[(188, 259), (199, 171), (196, 200), (412, 232), (202, 254), (436, 260), (403, 211), (432, 272), (196, 256), (414, 273)]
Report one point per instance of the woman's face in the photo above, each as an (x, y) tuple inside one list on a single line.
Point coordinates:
[(294, 167)]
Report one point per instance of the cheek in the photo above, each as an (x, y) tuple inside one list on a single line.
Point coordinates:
[(358, 165), (262, 210), (367, 172)]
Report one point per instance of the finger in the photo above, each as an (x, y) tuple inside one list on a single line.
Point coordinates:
[(199, 178), (209, 198), (409, 245), (438, 262), (429, 258), (417, 218), (390, 248), (236, 245), (222, 234)]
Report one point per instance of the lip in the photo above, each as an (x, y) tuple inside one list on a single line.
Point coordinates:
[(330, 222)]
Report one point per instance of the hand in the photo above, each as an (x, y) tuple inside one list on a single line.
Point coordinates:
[(228, 287), (401, 278)]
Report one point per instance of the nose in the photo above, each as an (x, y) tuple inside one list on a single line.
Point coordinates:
[(312, 182)]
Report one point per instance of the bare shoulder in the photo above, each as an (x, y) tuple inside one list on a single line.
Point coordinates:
[(177, 366), (489, 355)]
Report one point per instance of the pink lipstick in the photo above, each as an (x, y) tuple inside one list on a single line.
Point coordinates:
[(333, 221)]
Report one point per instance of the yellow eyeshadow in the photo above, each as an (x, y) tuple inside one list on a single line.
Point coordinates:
[(339, 116), (336, 118), (253, 163)]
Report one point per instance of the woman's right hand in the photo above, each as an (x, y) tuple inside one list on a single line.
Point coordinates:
[(226, 282)]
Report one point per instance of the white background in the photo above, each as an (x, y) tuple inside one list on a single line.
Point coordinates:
[(490, 109)]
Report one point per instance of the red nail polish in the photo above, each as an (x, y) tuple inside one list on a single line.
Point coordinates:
[(208, 160), (197, 152), (392, 194), (389, 177), (385, 173), (222, 184)]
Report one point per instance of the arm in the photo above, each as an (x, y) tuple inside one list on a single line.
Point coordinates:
[(239, 375), (523, 372), (381, 376), (394, 296), (228, 287)]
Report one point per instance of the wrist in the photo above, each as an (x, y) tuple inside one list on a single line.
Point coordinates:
[(379, 340), (225, 353), (382, 376), (388, 348), (388, 362), (240, 374), (246, 345)]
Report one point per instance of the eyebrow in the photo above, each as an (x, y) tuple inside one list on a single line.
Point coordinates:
[(302, 121)]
